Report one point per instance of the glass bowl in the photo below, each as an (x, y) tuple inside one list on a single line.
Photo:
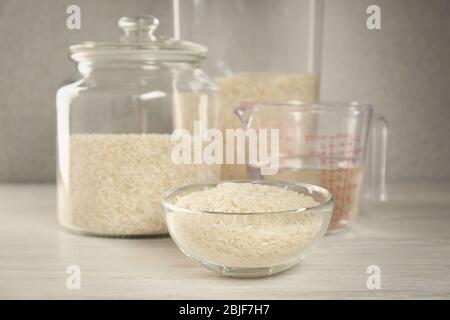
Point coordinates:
[(248, 244)]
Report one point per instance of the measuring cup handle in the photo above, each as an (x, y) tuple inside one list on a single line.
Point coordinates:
[(376, 160)]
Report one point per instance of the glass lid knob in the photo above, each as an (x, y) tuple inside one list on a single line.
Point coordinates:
[(140, 28)]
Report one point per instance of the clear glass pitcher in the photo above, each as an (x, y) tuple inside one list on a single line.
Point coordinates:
[(326, 144), (262, 50)]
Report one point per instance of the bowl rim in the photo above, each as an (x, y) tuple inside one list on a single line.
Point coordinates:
[(279, 183)]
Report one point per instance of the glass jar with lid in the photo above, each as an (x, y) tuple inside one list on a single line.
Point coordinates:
[(114, 125)]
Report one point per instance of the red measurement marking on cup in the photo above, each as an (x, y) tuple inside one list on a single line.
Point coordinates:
[(337, 155)]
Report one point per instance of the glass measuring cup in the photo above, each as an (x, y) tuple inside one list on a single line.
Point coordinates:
[(328, 144)]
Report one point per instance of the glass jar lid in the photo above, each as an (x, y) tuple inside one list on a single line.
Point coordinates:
[(139, 42)]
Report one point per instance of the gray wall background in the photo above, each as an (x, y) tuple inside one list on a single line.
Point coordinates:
[(403, 70)]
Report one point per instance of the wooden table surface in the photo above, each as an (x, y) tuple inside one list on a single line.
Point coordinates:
[(408, 238)]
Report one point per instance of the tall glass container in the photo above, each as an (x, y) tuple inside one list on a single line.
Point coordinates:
[(261, 50), (114, 124)]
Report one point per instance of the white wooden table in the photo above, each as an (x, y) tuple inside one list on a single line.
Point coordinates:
[(408, 238)]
